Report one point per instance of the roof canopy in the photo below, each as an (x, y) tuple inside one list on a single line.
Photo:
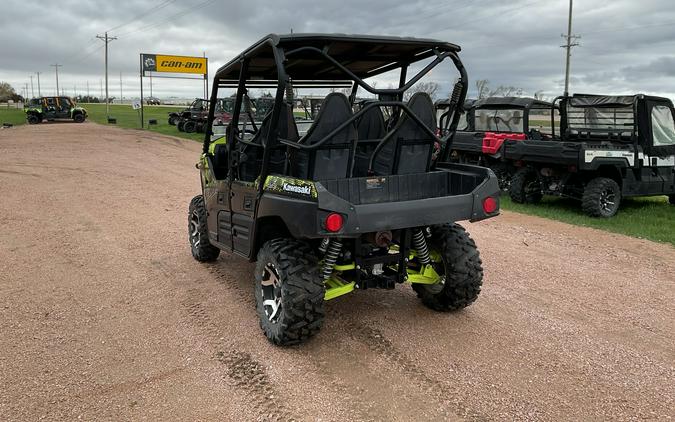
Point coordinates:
[(590, 100), (512, 102), (363, 55)]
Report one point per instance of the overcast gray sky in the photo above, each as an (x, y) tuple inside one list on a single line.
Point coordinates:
[(627, 46)]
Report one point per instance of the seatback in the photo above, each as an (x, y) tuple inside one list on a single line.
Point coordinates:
[(371, 129), (408, 147), (252, 156), (332, 160)]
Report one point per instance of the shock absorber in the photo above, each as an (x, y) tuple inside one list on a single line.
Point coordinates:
[(420, 245), (330, 258)]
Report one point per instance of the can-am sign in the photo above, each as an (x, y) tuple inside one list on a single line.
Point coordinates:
[(173, 64)]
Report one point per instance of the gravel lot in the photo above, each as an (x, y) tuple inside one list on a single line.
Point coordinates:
[(105, 315)]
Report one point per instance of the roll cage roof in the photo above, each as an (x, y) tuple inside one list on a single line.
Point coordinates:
[(510, 102), (332, 61), (362, 55), (591, 100)]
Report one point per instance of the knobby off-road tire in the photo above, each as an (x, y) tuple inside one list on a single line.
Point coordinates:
[(79, 118), (198, 232), (525, 187), (190, 126), (180, 125), (32, 119), (172, 121), (463, 270), (287, 274), (601, 198)]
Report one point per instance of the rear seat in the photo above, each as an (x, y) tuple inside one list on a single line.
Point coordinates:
[(333, 159)]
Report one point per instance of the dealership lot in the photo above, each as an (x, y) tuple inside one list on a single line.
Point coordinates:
[(106, 315)]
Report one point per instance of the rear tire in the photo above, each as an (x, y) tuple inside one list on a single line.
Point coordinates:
[(525, 187), (33, 119), (172, 121), (601, 198), (190, 126), (289, 292), (463, 270), (79, 118), (198, 232), (179, 125)]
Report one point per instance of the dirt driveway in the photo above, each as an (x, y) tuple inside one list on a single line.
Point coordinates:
[(105, 315)]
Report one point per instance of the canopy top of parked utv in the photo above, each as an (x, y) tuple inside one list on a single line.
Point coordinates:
[(590, 100), (510, 102)]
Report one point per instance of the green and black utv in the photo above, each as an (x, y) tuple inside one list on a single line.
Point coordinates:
[(356, 202), (54, 108)]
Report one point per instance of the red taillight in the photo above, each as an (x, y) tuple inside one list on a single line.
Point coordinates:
[(334, 222), (489, 205)]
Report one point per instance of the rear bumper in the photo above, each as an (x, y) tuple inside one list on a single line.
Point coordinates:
[(304, 218)]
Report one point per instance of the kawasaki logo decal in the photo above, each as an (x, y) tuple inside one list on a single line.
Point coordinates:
[(304, 190)]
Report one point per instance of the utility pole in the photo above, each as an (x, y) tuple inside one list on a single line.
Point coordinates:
[(100, 82), (120, 87), (88, 98), (570, 41), (106, 39), (56, 67), (32, 91), (39, 93)]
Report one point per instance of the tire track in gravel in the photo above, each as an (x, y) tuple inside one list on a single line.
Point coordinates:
[(241, 369), (442, 391)]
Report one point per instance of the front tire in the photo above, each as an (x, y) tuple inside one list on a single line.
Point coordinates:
[(79, 118), (172, 121), (462, 275), (33, 119), (198, 232), (601, 198), (289, 292), (525, 187)]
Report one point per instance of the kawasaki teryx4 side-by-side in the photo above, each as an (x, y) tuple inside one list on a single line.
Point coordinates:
[(54, 108), (356, 202), (490, 121), (610, 147)]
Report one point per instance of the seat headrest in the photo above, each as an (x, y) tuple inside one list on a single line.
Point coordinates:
[(371, 124), (287, 127), (335, 110)]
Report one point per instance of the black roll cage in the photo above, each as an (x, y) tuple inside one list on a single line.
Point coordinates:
[(386, 97)]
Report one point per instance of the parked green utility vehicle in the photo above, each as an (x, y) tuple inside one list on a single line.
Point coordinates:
[(53, 108)]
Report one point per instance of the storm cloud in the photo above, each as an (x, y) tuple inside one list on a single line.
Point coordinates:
[(626, 46)]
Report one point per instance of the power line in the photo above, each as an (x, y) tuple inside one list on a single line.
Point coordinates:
[(140, 15), (183, 12)]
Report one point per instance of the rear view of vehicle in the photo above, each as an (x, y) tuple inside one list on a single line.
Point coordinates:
[(611, 147), (354, 203), (491, 121)]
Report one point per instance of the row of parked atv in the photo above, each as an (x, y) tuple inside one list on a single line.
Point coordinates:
[(193, 119), (596, 149)]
